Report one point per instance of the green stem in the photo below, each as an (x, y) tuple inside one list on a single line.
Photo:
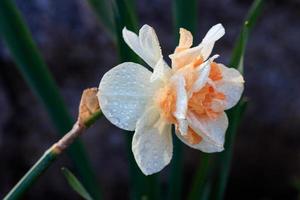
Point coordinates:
[(32, 175), (49, 157), (92, 119)]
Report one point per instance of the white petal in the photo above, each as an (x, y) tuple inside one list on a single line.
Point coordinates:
[(185, 57), (217, 105), (185, 40), (203, 74), (206, 50), (213, 34), (211, 131), (183, 126), (150, 44), (152, 143), (123, 94), (204, 146), (231, 85), (181, 97), (146, 45), (132, 40), (161, 72), (181, 103)]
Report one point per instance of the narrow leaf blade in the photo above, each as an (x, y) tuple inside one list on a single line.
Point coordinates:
[(75, 184), (240, 44), (201, 180), (103, 10)]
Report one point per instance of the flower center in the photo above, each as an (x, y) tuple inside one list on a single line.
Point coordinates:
[(203, 103), (192, 137), (166, 101), (215, 72)]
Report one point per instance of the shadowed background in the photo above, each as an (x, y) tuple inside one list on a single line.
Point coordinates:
[(79, 51)]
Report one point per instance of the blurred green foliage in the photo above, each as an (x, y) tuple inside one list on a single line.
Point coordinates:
[(75, 184), (31, 65), (103, 9)]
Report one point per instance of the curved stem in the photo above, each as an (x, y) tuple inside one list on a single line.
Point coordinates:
[(50, 156)]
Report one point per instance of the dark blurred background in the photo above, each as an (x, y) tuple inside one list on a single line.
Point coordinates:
[(78, 52)]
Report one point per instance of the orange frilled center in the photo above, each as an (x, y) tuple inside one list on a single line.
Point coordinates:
[(200, 103), (166, 100)]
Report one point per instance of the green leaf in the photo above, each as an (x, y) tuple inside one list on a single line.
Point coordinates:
[(103, 10), (203, 174), (185, 16), (237, 58), (75, 184), (30, 63), (142, 187)]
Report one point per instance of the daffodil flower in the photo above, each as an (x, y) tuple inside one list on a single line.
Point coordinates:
[(192, 95)]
